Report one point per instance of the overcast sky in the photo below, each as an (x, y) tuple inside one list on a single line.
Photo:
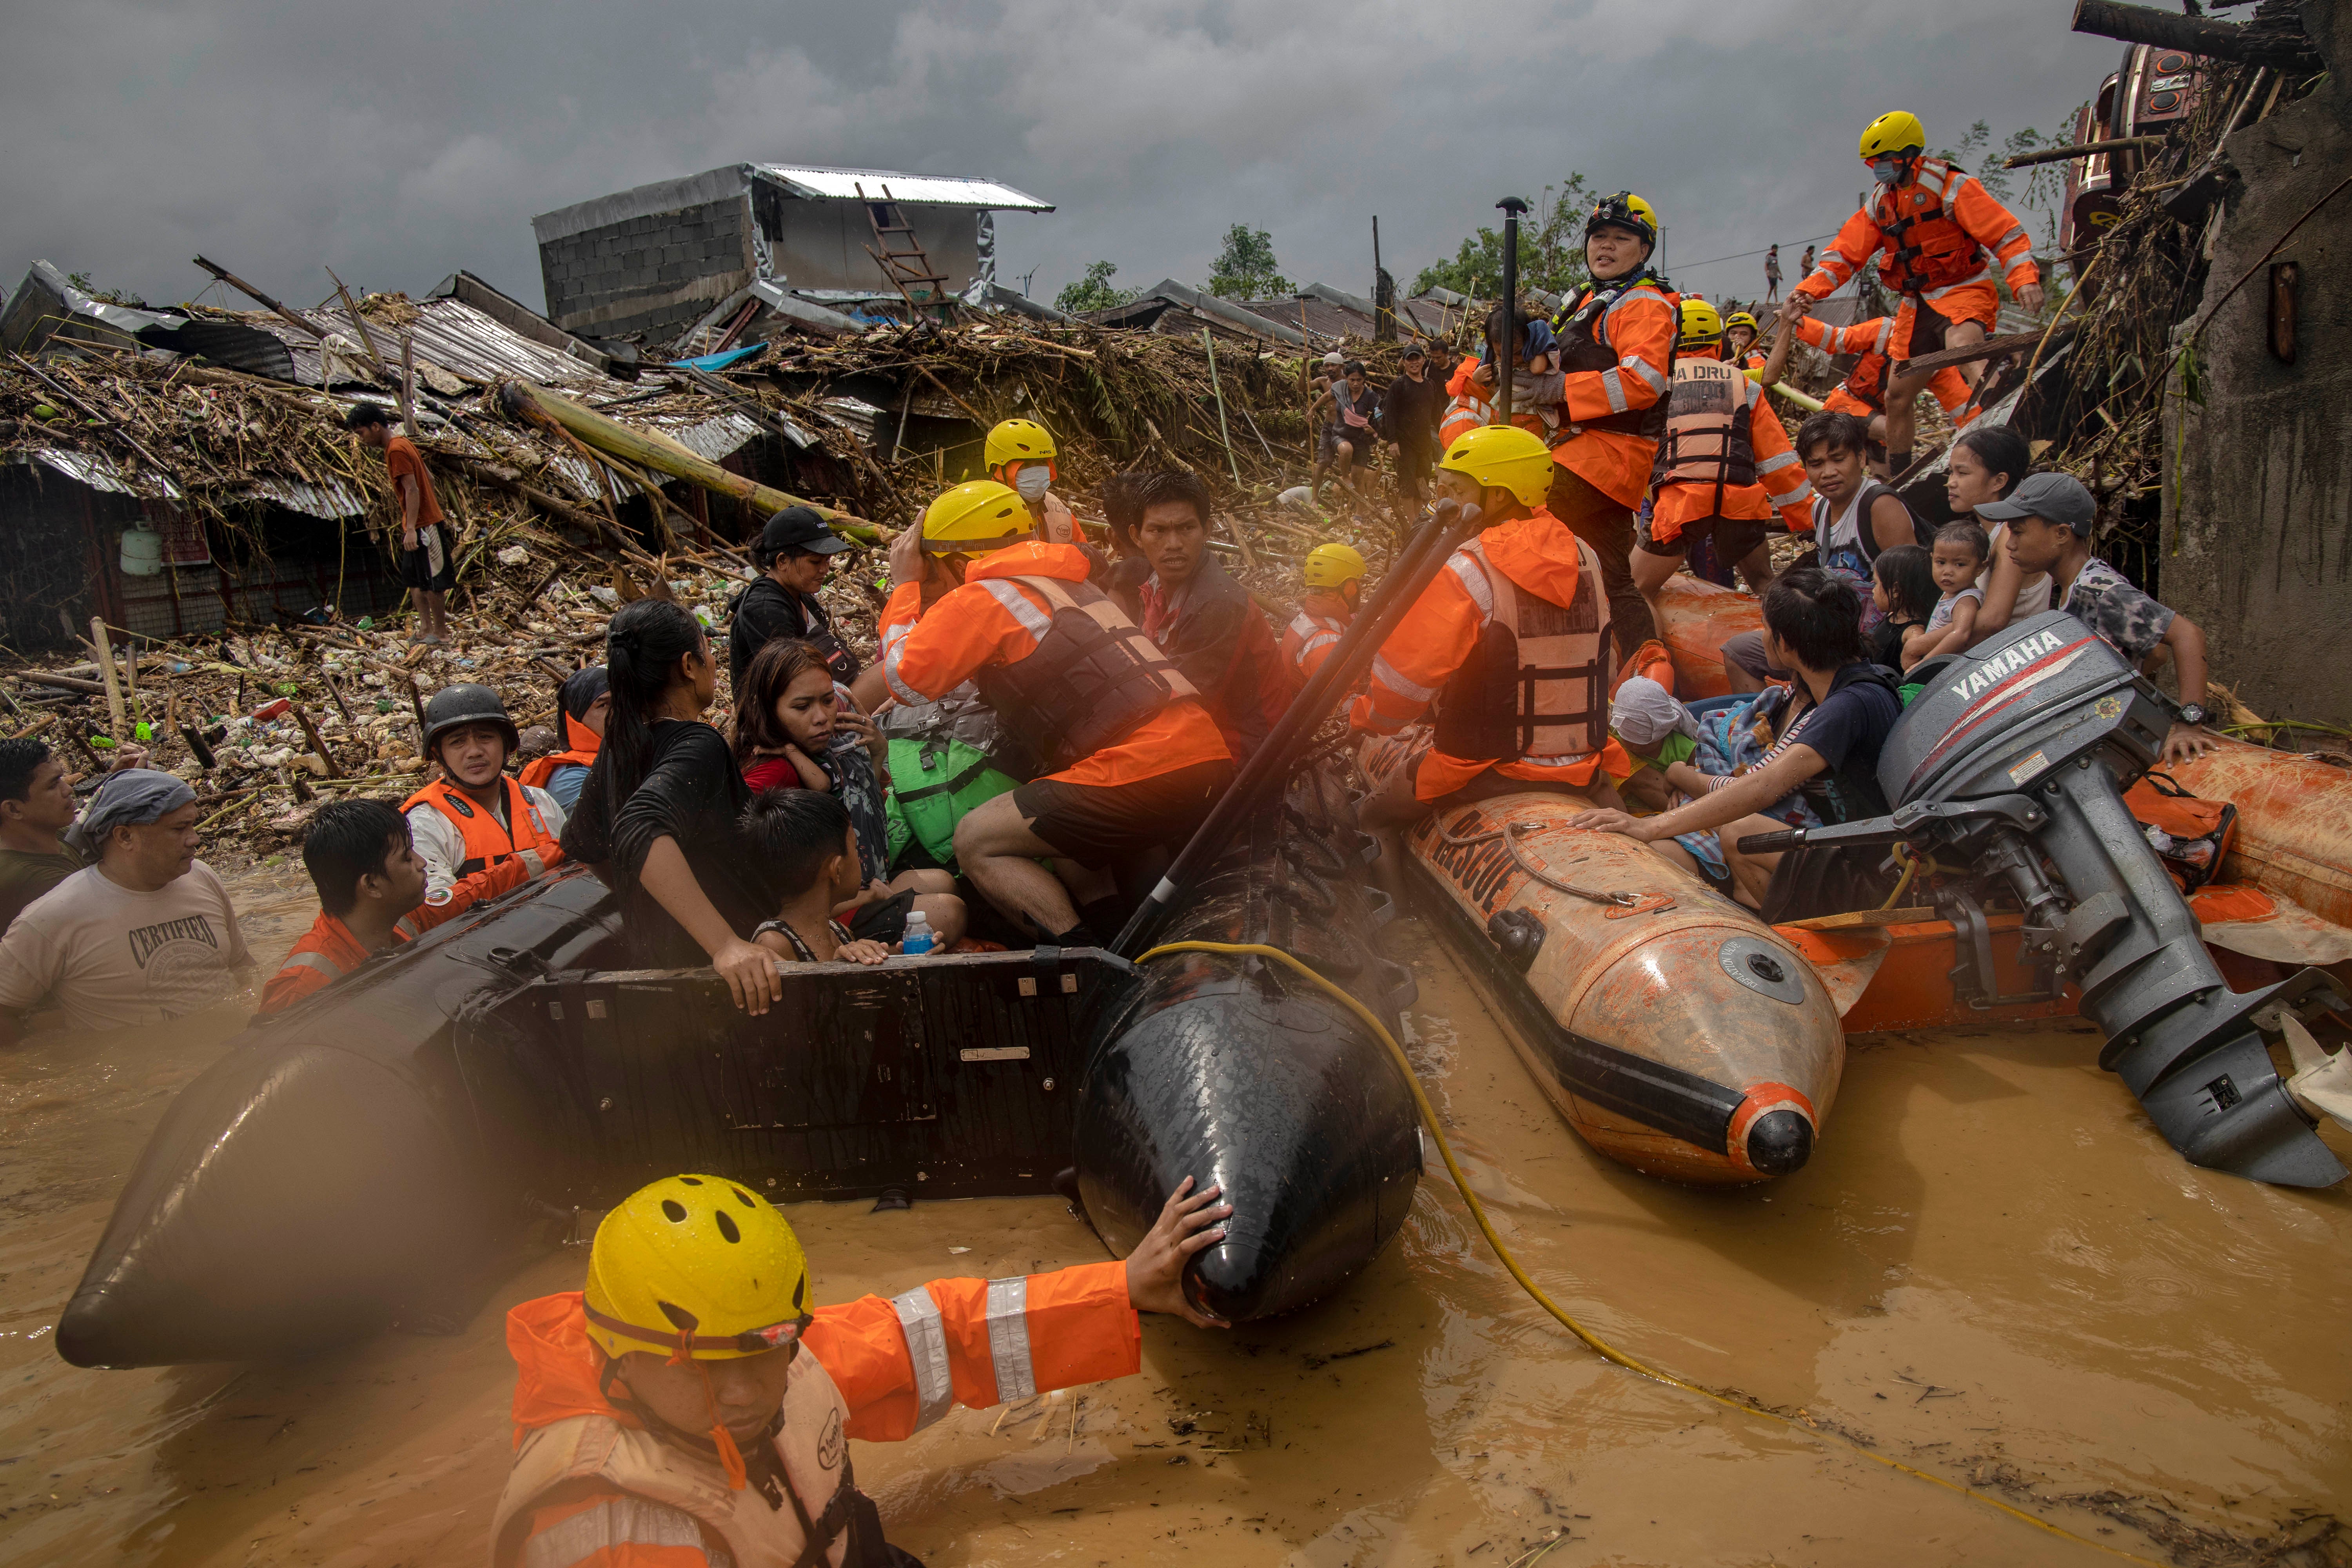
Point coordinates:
[(396, 142)]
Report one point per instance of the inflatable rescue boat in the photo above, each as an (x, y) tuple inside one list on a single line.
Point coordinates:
[(1674, 1031), (386, 1151)]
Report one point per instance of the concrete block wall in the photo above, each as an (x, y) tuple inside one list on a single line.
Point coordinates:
[(648, 277)]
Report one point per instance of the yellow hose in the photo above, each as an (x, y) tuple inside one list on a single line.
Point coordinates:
[(1600, 1346)]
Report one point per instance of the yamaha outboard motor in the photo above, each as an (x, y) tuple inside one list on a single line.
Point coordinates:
[(2013, 761)]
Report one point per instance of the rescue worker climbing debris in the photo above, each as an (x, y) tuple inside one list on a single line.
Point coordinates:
[(1934, 224), (1863, 392), (473, 816), (1136, 761), (1019, 454), (1334, 578), (1724, 449), (1510, 640), (1617, 348), (692, 1406)]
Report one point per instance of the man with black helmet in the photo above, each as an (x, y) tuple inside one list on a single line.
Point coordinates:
[(473, 816), (796, 551)]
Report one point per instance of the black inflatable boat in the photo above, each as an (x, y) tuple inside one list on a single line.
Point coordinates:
[(385, 1152)]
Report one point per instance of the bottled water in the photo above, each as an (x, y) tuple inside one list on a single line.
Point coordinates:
[(919, 938)]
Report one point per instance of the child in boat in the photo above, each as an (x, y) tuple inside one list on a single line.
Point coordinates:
[(1903, 588), (1661, 738), (371, 894), (808, 848), (1960, 553), (793, 730)]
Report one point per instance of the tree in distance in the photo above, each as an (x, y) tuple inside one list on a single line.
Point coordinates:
[(1551, 249), (1246, 269), (1092, 292)]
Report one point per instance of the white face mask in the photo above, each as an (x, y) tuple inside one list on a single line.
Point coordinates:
[(1888, 171), (1032, 481)]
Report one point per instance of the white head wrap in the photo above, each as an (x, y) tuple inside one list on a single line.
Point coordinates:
[(1646, 713)]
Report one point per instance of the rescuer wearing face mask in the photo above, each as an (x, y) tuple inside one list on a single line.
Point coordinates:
[(1021, 453), (1617, 348), (692, 1407), (1932, 223)]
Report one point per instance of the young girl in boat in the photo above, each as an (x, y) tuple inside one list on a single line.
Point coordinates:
[(796, 728), (1903, 589)]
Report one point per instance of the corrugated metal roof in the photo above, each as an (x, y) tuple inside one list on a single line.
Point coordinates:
[(100, 472), (713, 439), (923, 190), (449, 333), (331, 500)]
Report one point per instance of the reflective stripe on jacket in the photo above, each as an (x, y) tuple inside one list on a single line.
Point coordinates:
[(328, 950), (1471, 407), (1617, 347), (1866, 383), (1321, 621), (1689, 488), (525, 833), (1934, 231), (878, 1371), (1543, 565), (990, 621)]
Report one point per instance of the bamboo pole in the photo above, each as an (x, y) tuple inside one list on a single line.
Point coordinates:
[(535, 405), (106, 672), (1224, 433)]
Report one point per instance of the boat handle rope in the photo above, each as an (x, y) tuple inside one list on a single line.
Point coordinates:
[(1629, 903), (1600, 1346)]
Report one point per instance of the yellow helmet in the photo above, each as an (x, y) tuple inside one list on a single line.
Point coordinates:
[(1742, 318), (1019, 441), (1503, 457), (1624, 210), (1898, 132), (696, 1265), (974, 518), (1330, 565), (1701, 324)]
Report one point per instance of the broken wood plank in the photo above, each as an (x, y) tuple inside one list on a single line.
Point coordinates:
[(266, 303), (1990, 348), (2193, 35), (2083, 150), (61, 682)]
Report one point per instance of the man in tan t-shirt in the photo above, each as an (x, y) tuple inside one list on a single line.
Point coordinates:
[(428, 552), (144, 935)]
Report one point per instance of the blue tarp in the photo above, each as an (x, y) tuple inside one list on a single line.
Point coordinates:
[(711, 364)]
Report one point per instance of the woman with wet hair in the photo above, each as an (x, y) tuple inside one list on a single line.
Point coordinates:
[(657, 816)]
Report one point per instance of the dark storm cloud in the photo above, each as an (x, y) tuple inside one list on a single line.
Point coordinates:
[(395, 143)]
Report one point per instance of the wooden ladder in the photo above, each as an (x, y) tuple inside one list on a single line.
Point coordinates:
[(899, 254)]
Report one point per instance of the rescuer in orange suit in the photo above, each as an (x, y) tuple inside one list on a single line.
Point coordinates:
[(692, 1409), (1933, 222), (1511, 643), (1617, 347), (1136, 760), (1863, 392), (1725, 466), (1334, 578)]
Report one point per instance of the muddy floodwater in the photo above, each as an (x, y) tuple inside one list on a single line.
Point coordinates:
[(1993, 1270)]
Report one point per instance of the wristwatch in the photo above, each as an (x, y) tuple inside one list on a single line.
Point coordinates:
[(2192, 714)]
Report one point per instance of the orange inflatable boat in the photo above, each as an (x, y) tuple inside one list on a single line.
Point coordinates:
[(2294, 823), (1694, 618), (1675, 1033)]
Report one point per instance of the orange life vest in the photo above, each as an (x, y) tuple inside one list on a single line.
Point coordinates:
[(583, 743), (487, 843), (1582, 327), (1710, 439), (1537, 682), (599, 1453), (1927, 249)]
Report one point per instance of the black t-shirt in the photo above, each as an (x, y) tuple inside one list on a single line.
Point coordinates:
[(693, 792), (1848, 728), (766, 610), (1412, 410)]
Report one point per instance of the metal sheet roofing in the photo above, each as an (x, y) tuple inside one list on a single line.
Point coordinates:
[(925, 190), (103, 473), (713, 439)]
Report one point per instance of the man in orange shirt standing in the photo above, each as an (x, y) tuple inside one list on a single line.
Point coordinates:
[(1511, 643), (428, 552), (1934, 223), (1136, 760), (1617, 347)]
